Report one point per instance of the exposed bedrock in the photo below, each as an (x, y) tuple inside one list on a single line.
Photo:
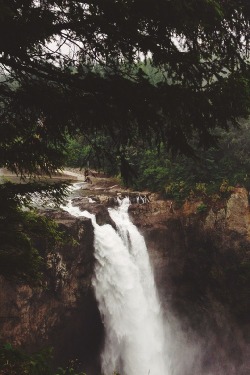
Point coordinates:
[(63, 312), (202, 270), (201, 259)]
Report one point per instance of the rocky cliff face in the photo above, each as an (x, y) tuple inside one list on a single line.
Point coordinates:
[(201, 258), (62, 312)]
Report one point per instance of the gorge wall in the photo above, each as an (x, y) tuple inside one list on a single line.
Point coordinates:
[(62, 313), (202, 269), (201, 260)]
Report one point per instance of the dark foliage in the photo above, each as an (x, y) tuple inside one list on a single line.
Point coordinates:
[(199, 47), (76, 66), (19, 258), (17, 362)]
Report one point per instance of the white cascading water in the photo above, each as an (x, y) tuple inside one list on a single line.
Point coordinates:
[(128, 302)]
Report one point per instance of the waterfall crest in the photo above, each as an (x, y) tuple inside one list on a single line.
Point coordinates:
[(127, 298)]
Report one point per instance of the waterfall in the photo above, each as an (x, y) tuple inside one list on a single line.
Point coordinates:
[(127, 298)]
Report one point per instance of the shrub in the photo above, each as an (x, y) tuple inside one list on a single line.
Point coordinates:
[(202, 208)]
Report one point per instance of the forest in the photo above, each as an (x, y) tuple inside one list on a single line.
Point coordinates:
[(154, 92), (210, 170)]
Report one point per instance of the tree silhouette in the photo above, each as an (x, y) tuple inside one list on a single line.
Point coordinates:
[(77, 66)]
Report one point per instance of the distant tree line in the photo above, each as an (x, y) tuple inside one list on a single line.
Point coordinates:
[(157, 169)]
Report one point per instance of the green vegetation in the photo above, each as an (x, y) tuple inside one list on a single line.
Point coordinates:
[(212, 172), (93, 152), (197, 79), (16, 362), (21, 230), (202, 208), (133, 116), (108, 91)]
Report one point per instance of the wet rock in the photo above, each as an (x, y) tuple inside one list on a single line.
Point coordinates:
[(99, 210), (63, 309), (201, 271)]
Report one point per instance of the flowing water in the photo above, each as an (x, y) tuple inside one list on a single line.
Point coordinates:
[(127, 298)]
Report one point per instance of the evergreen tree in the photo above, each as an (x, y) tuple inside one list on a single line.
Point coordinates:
[(76, 66), (51, 49)]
